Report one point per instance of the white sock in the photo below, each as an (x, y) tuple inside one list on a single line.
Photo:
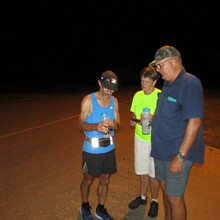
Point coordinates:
[(143, 197), (156, 200)]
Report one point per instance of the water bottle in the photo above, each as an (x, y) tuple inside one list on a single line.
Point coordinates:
[(104, 118), (146, 121)]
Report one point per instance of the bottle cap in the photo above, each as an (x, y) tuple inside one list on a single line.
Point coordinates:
[(146, 110), (104, 114)]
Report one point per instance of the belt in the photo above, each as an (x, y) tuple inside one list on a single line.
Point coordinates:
[(100, 142)]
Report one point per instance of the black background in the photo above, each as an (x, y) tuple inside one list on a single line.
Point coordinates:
[(64, 45)]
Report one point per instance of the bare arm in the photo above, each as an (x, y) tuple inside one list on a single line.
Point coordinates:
[(86, 109), (187, 142), (133, 123), (117, 123)]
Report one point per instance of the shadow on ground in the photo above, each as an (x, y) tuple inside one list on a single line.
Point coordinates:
[(137, 214)]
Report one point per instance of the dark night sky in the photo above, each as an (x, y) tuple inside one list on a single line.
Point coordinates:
[(66, 44)]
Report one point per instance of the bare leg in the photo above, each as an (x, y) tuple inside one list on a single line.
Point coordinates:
[(166, 204), (144, 184), (102, 190), (85, 187), (154, 187), (178, 208)]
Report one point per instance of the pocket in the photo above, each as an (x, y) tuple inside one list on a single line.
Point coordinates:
[(104, 142), (169, 107)]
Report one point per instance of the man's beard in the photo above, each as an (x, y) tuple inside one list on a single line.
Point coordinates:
[(105, 95)]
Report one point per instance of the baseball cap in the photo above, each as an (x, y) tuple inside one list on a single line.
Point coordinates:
[(109, 80), (164, 52)]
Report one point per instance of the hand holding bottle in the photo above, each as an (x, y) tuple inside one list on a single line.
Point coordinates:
[(106, 124)]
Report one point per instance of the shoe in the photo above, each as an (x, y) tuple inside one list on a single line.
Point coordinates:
[(153, 212), (102, 214), (137, 202), (85, 213)]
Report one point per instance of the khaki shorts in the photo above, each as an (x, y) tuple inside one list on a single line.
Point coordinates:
[(143, 163)]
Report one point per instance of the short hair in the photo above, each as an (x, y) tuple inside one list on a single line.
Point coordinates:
[(150, 72)]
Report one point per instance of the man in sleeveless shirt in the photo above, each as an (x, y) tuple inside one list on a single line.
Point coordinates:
[(98, 156)]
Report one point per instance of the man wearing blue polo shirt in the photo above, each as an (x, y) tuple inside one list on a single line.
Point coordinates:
[(177, 132)]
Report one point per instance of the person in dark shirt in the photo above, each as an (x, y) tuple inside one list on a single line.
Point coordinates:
[(177, 131)]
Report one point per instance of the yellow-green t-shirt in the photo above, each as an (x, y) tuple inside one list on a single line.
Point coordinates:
[(139, 102)]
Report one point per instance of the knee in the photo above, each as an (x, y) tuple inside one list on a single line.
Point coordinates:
[(105, 180), (175, 201), (87, 181)]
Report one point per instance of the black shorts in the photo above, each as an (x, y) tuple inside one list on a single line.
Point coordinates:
[(97, 164)]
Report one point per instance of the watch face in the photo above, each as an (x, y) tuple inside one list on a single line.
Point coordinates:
[(180, 155)]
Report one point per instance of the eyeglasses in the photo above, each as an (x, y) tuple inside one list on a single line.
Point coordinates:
[(158, 66)]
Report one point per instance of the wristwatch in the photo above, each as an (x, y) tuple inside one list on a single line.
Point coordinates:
[(181, 155)]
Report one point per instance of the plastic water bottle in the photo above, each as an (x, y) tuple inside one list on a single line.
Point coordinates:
[(146, 121), (104, 118)]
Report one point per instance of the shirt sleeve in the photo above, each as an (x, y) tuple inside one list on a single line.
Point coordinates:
[(132, 109), (192, 99)]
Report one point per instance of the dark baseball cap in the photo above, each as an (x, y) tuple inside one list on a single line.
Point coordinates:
[(109, 80), (165, 52)]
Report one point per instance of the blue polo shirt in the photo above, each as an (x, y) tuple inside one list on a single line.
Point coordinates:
[(178, 101)]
